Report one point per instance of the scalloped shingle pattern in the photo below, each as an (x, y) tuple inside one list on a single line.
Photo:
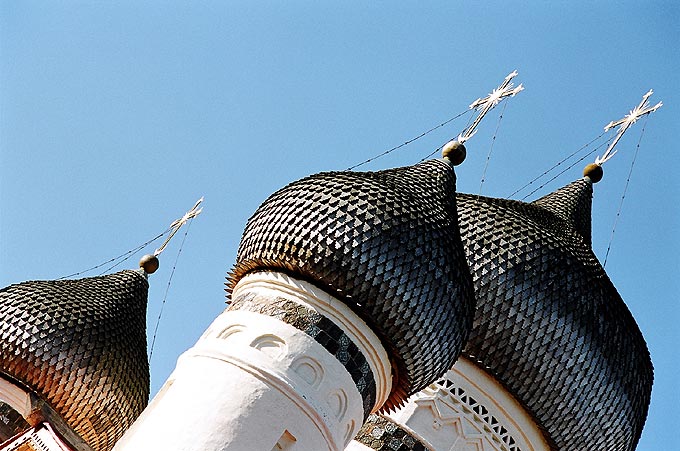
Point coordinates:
[(386, 243), (549, 323), (80, 345)]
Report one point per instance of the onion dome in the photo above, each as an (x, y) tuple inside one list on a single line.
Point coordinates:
[(550, 325), (80, 345), (387, 244)]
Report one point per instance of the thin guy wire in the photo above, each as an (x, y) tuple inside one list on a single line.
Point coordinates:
[(547, 171), (625, 190), (127, 255), (566, 169), (430, 154), (130, 254), (167, 289), (469, 121), (407, 142), (493, 140)]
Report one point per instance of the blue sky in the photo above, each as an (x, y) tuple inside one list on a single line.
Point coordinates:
[(116, 116)]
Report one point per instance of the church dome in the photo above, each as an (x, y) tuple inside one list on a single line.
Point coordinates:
[(80, 345), (550, 325), (387, 244)]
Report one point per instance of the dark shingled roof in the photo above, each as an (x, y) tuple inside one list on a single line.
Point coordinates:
[(386, 243), (81, 346), (550, 325)]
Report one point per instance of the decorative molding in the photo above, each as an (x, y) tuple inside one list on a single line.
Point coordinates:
[(309, 369), (277, 354), (213, 360), (230, 330), (285, 443), (350, 430), (467, 410), (319, 327), (337, 401), (39, 438), (15, 396), (306, 294), (282, 372), (500, 402), (22, 412), (453, 402), (271, 345)]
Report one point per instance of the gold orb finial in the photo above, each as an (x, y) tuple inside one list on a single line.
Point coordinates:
[(454, 152), (149, 263), (594, 172)]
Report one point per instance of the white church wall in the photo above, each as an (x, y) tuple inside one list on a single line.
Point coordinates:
[(253, 382), (468, 410)]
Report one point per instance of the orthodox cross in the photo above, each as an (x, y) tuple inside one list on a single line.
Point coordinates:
[(176, 225), (486, 104), (625, 122)]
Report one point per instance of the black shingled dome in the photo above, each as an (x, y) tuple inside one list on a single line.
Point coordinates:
[(80, 345), (549, 324), (386, 243)]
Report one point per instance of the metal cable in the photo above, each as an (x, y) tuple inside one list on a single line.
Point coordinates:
[(623, 196), (493, 141), (407, 142), (167, 290)]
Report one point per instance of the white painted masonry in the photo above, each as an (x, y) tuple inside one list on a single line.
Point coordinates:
[(356, 446), (41, 437), (15, 397), (468, 411), (253, 382)]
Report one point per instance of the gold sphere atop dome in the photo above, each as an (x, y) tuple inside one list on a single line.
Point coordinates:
[(454, 151), (594, 172), (149, 263)]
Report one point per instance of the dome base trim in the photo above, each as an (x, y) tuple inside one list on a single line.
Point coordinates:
[(30, 416)]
